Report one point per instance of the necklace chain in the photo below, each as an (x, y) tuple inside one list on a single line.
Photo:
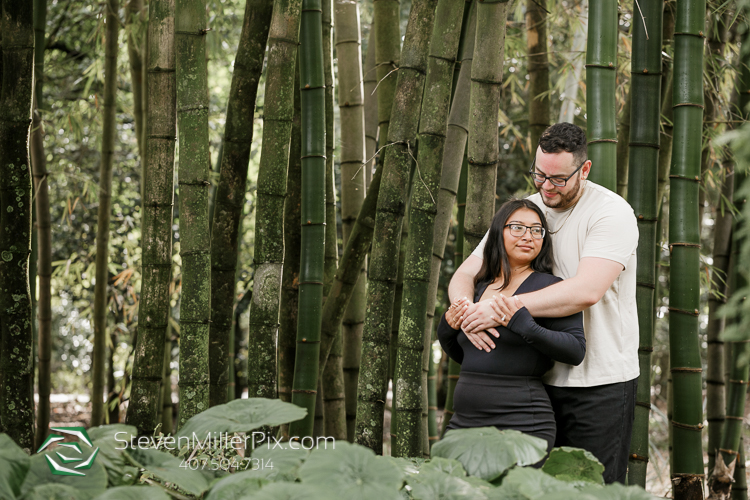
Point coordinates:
[(569, 213)]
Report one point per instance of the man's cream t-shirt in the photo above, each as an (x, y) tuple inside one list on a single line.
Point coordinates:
[(603, 225)]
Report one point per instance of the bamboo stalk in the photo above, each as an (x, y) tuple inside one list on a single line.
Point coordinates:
[(156, 241), (283, 37), (645, 93), (135, 20), (538, 67), (313, 213), (601, 66), (684, 239), (109, 108), (387, 55), (370, 82), (388, 220), (414, 338), (229, 198)]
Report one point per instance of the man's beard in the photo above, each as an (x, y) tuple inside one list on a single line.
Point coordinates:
[(565, 199)]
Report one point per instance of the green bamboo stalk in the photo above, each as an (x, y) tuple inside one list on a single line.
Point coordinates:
[(623, 142), (292, 245), (538, 67), (370, 82), (156, 240), (355, 140), (283, 37), (601, 66), (16, 340), (109, 108), (230, 193), (413, 336), (684, 239), (739, 486), (715, 384), (195, 243), (388, 220), (483, 149), (135, 21), (387, 56), (432, 433), (667, 117), (43, 226), (454, 369), (313, 208), (645, 94), (167, 421)]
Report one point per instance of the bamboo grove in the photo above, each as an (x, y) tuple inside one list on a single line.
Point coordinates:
[(278, 192)]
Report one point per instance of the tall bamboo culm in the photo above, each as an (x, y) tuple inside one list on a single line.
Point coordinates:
[(414, 338), (283, 37), (43, 228), (230, 193), (292, 246), (135, 23), (313, 213), (370, 82), (684, 239), (483, 148), (538, 65), (16, 342), (353, 177), (645, 92), (391, 206), (195, 243), (387, 57), (156, 239), (109, 108), (601, 115)]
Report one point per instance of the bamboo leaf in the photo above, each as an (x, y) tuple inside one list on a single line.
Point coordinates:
[(14, 464), (574, 464), (353, 471), (487, 452), (242, 415)]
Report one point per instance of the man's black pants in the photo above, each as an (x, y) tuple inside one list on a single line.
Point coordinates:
[(598, 419)]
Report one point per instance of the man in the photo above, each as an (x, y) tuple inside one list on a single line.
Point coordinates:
[(594, 234)]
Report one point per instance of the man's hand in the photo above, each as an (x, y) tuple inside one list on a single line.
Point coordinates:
[(480, 321), (455, 313), (506, 307)]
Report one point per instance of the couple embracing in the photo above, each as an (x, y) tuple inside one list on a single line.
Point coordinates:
[(543, 317)]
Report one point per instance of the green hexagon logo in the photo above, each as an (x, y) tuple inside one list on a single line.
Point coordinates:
[(71, 453)]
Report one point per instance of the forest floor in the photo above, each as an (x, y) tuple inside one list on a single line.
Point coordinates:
[(74, 410)]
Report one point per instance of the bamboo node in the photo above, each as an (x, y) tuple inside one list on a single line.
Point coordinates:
[(645, 71), (732, 417), (694, 312), (686, 369), (644, 405), (728, 452), (741, 382), (635, 456)]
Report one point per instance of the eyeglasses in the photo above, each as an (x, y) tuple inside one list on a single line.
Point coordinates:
[(518, 230), (556, 180)]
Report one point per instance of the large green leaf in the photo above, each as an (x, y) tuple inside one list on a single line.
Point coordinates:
[(487, 452), (408, 465), (52, 492), (528, 483), (241, 415), (353, 471), (279, 463), (447, 465), (610, 492), (435, 484), (294, 491), (574, 464), (14, 464), (134, 493), (167, 468), (89, 486), (236, 486), (118, 434)]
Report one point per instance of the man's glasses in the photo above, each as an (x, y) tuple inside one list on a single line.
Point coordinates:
[(518, 230), (556, 180)]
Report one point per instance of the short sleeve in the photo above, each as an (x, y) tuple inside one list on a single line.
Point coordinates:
[(613, 235), (479, 250)]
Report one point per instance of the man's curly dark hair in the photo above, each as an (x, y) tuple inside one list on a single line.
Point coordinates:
[(565, 137)]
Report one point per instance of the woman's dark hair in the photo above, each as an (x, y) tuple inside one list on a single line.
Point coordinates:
[(495, 257)]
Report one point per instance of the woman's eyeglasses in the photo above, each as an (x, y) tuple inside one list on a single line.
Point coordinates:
[(556, 180), (518, 230)]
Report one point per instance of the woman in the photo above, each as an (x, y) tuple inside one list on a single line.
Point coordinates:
[(503, 387)]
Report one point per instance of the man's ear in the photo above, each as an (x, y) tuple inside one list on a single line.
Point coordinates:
[(586, 169)]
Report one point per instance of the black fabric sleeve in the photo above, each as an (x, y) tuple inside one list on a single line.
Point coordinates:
[(563, 342), (448, 338)]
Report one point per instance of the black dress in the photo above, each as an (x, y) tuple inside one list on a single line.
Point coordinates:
[(503, 387)]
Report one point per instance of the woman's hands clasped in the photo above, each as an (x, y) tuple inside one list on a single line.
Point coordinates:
[(504, 308), (455, 313)]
